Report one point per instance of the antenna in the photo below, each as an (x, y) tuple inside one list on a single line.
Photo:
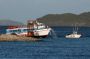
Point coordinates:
[(73, 27)]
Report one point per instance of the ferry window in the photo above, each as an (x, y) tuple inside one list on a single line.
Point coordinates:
[(15, 30), (25, 30), (10, 31), (18, 30), (29, 30)]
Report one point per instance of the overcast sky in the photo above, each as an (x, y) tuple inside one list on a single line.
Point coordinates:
[(22, 10)]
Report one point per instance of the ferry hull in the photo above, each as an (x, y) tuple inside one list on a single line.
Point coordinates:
[(42, 32)]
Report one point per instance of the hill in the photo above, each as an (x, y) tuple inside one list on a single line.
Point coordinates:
[(66, 19), (4, 22)]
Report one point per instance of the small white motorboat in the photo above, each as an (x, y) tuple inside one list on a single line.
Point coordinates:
[(74, 34)]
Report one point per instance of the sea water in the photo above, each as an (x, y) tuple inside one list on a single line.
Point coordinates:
[(50, 48)]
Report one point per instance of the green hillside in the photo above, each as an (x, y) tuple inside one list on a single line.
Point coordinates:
[(66, 19)]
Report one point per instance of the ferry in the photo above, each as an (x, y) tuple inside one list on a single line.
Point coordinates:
[(35, 29)]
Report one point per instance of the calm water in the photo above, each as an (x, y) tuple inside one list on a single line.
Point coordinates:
[(50, 48)]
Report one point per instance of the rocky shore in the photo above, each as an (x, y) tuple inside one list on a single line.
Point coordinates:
[(7, 37)]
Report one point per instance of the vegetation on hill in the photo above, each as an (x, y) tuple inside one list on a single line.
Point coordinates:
[(66, 19)]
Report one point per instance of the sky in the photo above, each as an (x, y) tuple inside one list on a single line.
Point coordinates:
[(23, 10)]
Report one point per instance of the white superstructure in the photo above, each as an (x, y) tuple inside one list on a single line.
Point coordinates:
[(41, 30)]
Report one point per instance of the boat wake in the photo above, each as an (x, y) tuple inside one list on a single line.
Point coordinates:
[(53, 34)]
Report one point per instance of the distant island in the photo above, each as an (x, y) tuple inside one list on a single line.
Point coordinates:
[(6, 22), (66, 19)]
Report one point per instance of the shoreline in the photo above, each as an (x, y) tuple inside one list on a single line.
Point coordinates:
[(8, 37)]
